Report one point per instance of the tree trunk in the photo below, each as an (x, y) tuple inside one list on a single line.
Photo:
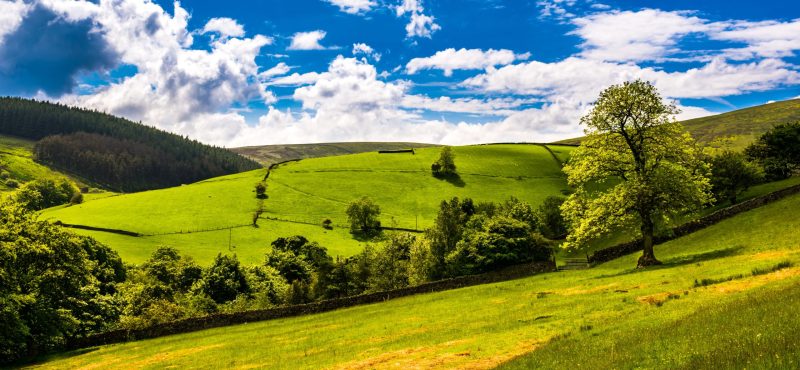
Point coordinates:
[(648, 258)]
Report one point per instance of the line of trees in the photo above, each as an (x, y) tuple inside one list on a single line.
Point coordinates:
[(113, 151)]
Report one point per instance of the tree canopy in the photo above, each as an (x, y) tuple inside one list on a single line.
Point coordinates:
[(636, 167)]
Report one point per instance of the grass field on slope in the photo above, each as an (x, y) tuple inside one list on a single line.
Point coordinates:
[(269, 154), (586, 314), (303, 194), (16, 157)]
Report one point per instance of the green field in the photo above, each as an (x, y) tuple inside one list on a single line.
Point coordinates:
[(743, 126), (303, 194), (16, 157), (611, 316)]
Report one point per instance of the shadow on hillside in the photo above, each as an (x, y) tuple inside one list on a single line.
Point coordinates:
[(683, 260), (454, 179), (55, 356)]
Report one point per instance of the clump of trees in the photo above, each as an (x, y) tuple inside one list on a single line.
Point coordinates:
[(54, 285), (656, 168), (445, 165), (732, 173), (778, 151), (45, 193), (363, 214)]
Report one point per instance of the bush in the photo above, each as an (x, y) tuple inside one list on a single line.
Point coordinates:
[(12, 184), (45, 193), (77, 198), (327, 224), (363, 216), (261, 190), (4, 175)]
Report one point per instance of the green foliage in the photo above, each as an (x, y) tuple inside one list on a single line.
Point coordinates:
[(446, 232), (631, 137), (778, 150), (362, 215), (225, 279), (446, 164), (54, 285), (261, 190), (495, 242), (549, 218), (389, 268), (732, 174), (45, 193)]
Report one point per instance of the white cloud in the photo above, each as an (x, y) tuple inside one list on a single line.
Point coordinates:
[(582, 79), (367, 51), (308, 40), (647, 34), (769, 39), (354, 6), (295, 79), (555, 8), (226, 27), (11, 14), (278, 70), (420, 24), (451, 59)]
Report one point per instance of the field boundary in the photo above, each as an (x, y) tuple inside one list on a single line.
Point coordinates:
[(226, 319), (103, 229), (619, 250)]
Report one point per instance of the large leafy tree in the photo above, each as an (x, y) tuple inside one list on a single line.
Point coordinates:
[(54, 285), (778, 150), (636, 167), (732, 174)]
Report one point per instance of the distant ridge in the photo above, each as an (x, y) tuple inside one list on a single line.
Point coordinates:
[(744, 125), (269, 154), (111, 151)]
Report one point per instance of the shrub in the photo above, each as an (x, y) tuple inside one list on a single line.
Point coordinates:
[(327, 224), (225, 279), (12, 184), (261, 190), (45, 193), (4, 175), (77, 198), (778, 150)]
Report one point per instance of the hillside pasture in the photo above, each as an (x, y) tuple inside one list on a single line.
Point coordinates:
[(204, 218), (584, 318)]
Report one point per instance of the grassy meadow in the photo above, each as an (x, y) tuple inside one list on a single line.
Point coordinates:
[(16, 157), (611, 316), (303, 194)]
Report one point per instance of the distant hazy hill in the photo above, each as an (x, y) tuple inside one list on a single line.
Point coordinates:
[(744, 124), (112, 151), (269, 154)]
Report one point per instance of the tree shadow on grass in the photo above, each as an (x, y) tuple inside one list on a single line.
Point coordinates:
[(374, 236), (454, 179), (683, 260), (38, 360)]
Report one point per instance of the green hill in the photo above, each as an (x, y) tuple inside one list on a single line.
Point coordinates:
[(120, 154), (303, 194), (17, 164), (269, 154), (726, 296), (743, 125)]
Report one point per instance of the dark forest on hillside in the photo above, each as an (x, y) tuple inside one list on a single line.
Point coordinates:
[(112, 151)]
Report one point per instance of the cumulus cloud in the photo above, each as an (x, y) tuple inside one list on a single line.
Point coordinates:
[(647, 34), (420, 24), (353, 6), (769, 39), (451, 59), (367, 51), (226, 27), (46, 52), (308, 40), (11, 14)]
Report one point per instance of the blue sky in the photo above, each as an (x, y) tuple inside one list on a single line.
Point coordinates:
[(246, 73)]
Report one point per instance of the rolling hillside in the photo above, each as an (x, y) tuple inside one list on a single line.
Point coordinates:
[(738, 282), (17, 164), (269, 154), (743, 125), (218, 212)]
